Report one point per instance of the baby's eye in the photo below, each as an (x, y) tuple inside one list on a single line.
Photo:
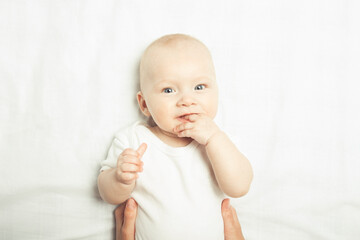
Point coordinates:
[(168, 90), (200, 87)]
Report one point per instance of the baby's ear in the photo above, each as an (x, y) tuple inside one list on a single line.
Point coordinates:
[(142, 104)]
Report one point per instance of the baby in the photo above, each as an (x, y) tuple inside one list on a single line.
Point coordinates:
[(189, 163)]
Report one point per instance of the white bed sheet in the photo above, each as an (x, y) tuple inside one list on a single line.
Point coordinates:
[(289, 86)]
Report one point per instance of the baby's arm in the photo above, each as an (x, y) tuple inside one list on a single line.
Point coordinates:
[(232, 169), (116, 184)]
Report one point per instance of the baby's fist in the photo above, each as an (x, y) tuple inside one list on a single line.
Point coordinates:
[(129, 164)]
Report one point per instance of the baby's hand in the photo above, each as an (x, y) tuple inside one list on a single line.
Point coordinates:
[(199, 127), (129, 164)]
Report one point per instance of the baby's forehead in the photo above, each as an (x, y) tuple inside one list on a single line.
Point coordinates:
[(174, 42)]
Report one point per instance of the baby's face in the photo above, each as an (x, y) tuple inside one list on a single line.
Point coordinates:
[(178, 81)]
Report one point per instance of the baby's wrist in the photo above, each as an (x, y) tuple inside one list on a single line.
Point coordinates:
[(119, 179), (128, 183), (213, 136)]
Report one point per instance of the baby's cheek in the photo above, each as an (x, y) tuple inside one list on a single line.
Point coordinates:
[(158, 114), (163, 119)]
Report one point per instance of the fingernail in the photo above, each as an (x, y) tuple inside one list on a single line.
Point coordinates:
[(131, 204)]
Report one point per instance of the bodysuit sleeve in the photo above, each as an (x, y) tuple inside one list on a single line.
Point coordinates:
[(118, 145)]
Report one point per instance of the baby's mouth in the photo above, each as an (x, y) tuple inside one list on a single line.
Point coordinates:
[(184, 118)]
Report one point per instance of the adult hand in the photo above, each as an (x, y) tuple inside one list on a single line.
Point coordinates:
[(232, 228), (125, 216)]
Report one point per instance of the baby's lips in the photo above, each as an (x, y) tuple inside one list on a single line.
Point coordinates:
[(187, 115), (183, 119)]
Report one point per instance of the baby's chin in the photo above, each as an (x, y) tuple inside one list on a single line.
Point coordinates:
[(166, 132), (170, 137)]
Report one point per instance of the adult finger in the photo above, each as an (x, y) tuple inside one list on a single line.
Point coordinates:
[(119, 219), (232, 228), (141, 150), (130, 213)]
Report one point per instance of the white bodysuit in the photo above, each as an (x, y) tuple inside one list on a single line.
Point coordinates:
[(177, 192)]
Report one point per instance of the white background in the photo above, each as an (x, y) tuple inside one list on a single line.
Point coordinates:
[(288, 73)]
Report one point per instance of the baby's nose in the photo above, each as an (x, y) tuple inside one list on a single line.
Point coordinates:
[(186, 101)]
